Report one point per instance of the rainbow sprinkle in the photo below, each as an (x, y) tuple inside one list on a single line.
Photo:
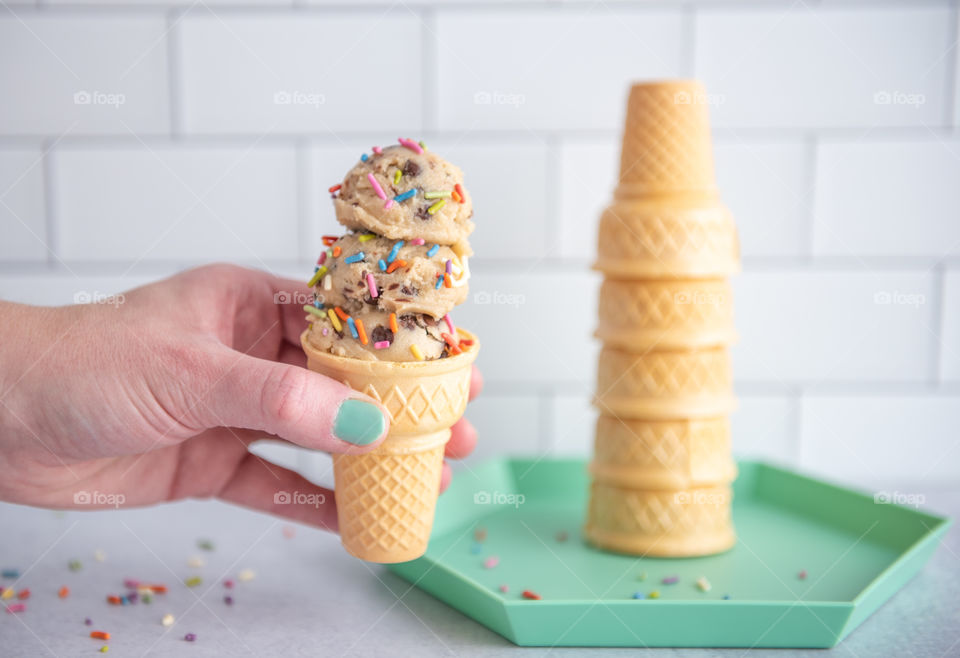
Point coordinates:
[(448, 267), (417, 241), (491, 562), (321, 271), (433, 251), (314, 311), (435, 195), (376, 149), (396, 176), (459, 191), (328, 282), (703, 584), (439, 282), (376, 187), (361, 331), (365, 237), (671, 580), (388, 205), (322, 259), (382, 265), (356, 258), (446, 318), (364, 157), (417, 354), (382, 344), (412, 145), (393, 323), (406, 195), (334, 320), (395, 264), (437, 206), (372, 285), (353, 327), (334, 188), (394, 251), (340, 313)]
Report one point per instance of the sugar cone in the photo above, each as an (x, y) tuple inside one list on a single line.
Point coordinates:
[(386, 498), (669, 523), (662, 454), (666, 143), (666, 313)]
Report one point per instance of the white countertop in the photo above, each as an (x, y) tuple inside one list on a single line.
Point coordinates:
[(310, 598)]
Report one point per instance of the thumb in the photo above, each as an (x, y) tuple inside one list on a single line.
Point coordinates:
[(293, 403)]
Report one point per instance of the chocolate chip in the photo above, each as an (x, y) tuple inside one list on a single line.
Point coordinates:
[(381, 333), (411, 168), (424, 213), (408, 321), (347, 290), (370, 300), (409, 290), (403, 299), (430, 321), (393, 286)]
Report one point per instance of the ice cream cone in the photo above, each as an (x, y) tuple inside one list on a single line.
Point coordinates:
[(666, 313), (666, 144), (669, 523), (663, 385), (662, 454), (675, 239), (386, 498)]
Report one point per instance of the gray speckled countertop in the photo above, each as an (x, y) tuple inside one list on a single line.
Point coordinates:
[(310, 598)]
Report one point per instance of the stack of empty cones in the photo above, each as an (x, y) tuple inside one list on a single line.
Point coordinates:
[(662, 464)]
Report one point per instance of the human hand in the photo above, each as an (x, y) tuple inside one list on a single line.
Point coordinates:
[(157, 398)]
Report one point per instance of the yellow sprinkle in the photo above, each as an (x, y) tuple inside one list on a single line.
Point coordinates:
[(193, 582), (105, 648), (196, 561), (417, 354), (653, 595), (396, 176), (245, 575), (437, 206), (334, 320), (328, 282), (317, 276), (167, 620), (703, 584), (309, 309), (99, 555), (7, 594), (365, 237), (422, 145)]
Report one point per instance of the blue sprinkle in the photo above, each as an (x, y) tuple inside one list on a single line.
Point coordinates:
[(394, 251), (439, 282), (476, 548), (364, 157), (383, 266), (638, 595), (433, 250), (356, 258), (10, 573), (353, 328), (406, 195), (317, 304), (726, 597)]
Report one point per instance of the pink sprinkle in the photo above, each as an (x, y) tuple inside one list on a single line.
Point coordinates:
[(325, 331), (16, 607), (446, 318), (491, 562), (388, 205), (322, 259), (376, 187), (504, 589), (228, 584), (130, 583), (417, 241), (382, 344), (372, 285), (802, 575), (412, 145), (377, 150)]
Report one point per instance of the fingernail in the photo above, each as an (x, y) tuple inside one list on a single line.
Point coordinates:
[(359, 422)]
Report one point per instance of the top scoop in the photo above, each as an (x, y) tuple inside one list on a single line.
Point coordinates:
[(384, 290)]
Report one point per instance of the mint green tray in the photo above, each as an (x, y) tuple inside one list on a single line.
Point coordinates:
[(856, 555)]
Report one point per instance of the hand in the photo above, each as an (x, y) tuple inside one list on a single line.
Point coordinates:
[(157, 397)]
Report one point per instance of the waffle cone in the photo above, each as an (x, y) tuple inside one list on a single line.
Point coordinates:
[(666, 141), (646, 239), (681, 523), (662, 454), (661, 385), (386, 498), (666, 313)]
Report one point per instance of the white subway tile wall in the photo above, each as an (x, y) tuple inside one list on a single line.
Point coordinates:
[(137, 140)]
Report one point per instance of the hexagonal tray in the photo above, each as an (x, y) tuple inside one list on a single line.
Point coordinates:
[(856, 555)]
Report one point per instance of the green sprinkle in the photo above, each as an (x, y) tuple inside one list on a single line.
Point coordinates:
[(74, 565), (435, 195), (320, 313), (642, 576), (437, 206), (206, 544)]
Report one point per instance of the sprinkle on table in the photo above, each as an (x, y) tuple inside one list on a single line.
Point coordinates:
[(362, 332), (393, 323), (376, 186), (639, 595), (75, 565), (105, 648), (228, 599), (527, 594), (100, 635), (23, 594), (88, 622), (99, 555), (193, 581), (114, 600), (406, 195), (642, 576), (334, 320), (190, 637), (412, 145), (372, 286), (671, 580), (491, 562), (476, 548), (437, 206), (433, 251), (394, 251), (802, 575), (504, 588), (355, 258), (17, 607), (158, 589), (726, 597), (246, 575), (655, 594), (417, 354), (7, 594), (703, 584), (562, 535), (167, 620), (480, 534), (63, 592), (10, 573)]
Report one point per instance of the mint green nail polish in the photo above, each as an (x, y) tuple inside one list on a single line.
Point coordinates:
[(358, 422)]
